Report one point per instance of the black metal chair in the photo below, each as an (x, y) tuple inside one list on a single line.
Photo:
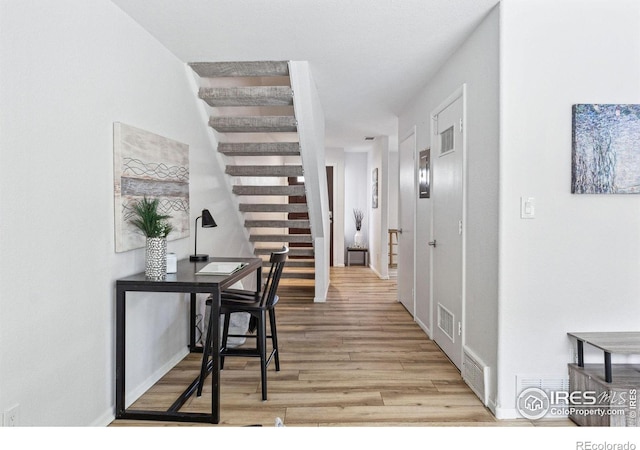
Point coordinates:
[(258, 305)]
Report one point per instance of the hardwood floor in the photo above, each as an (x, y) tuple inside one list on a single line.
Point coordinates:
[(356, 360)]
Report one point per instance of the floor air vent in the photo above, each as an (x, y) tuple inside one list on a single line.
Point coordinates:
[(546, 384), (476, 374)]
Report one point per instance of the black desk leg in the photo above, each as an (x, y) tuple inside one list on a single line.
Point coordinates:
[(580, 353), (215, 356), (120, 348), (259, 281), (608, 376), (192, 322)]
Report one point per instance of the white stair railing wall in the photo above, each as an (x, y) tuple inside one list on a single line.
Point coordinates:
[(310, 117)]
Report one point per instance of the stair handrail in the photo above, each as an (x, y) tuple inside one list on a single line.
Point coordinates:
[(310, 118)]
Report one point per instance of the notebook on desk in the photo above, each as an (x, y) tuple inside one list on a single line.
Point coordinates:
[(221, 268)]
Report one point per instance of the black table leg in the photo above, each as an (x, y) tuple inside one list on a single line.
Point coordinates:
[(206, 351), (580, 353), (120, 348), (192, 322), (259, 281), (215, 356), (608, 376)]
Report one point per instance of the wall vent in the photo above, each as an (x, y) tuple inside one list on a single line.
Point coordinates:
[(446, 140), (476, 374), (446, 321), (547, 384)]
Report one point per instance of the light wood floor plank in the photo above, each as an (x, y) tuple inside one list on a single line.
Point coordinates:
[(358, 359)]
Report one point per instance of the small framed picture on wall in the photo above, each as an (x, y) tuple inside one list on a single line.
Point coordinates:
[(374, 188), (424, 174)]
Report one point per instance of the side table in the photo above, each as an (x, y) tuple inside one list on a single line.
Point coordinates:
[(363, 250)]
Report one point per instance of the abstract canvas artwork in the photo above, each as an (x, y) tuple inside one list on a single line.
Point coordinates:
[(374, 188), (606, 149), (146, 164)]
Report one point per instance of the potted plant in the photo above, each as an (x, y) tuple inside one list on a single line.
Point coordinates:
[(155, 227), (358, 215)]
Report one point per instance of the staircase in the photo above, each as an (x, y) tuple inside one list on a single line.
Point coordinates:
[(251, 108)]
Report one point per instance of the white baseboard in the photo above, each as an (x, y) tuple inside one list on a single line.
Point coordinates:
[(108, 416), (378, 273), (506, 413), (424, 327)]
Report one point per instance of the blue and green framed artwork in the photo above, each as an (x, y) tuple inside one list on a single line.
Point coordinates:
[(606, 149)]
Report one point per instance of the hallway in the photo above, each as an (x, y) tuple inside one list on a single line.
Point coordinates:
[(356, 360)]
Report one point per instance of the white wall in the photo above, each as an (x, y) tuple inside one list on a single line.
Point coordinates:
[(378, 158), (356, 191), (69, 69), (475, 64), (575, 266)]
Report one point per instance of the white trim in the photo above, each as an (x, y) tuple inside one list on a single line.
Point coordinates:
[(373, 269), (424, 327)]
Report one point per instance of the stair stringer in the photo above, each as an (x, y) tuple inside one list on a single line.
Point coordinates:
[(310, 117)]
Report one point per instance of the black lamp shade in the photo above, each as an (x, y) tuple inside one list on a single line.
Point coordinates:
[(207, 222), (207, 219)]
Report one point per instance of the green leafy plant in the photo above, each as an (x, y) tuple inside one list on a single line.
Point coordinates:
[(148, 219)]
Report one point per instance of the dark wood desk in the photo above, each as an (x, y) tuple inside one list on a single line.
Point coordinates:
[(626, 343), (184, 281)]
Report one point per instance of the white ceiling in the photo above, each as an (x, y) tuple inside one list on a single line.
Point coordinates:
[(368, 57)]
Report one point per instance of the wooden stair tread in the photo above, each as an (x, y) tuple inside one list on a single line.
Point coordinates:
[(264, 171), (293, 251), (276, 223), (241, 69), (295, 263), (268, 190), (299, 275), (247, 96), (259, 148), (274, 207), (280, 238), (253, 124)]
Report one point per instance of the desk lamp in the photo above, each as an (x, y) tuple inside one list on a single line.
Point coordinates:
[(207, 222)]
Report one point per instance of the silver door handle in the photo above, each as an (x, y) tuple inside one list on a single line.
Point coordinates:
[(432, 243)]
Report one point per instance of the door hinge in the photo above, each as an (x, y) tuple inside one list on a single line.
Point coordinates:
[(460, 227), (460, 125), (459, 328)]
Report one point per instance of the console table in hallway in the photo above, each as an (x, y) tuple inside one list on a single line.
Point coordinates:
[(363, 250)]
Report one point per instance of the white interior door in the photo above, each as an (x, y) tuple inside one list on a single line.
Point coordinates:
[(448, 228), (406, 222)]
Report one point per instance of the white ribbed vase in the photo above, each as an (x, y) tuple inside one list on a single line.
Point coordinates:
[(357, 239), (156, 258)]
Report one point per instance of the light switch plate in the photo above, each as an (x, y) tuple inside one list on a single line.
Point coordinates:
[(527, 207)]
